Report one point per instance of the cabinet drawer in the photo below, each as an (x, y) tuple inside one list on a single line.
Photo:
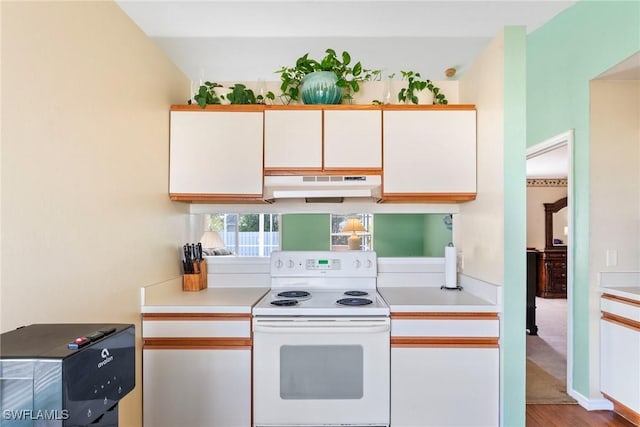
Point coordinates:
[(484, 325), (205, 327), (622, 307)]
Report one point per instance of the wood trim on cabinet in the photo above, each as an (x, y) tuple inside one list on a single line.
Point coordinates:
[(409, 315), (196, 316), (621, 321), (217, 198), (444, 342), (327, 171), (624, 410), (622, 300), (219, 107), (262, 107), (196, 343), (428, 107), (323, 107), (427, 197)]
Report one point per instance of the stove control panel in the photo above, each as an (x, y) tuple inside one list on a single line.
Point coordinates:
[(323, 263)]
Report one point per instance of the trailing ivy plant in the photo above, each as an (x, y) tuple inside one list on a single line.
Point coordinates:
[(349, 76), (207, 94), (415, 84), (239, 94)]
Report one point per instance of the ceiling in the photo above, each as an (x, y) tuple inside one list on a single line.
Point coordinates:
[(550, 164), (232, 41)]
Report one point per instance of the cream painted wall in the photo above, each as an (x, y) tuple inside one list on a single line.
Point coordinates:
[(479, 228), (86, 220), (615, 192), (536, 197)]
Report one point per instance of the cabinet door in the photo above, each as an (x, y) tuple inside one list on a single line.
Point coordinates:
[(293, 139), (620, 363), (439, 387), (198, 388), (215, 152), (352, 139), (429, 152)]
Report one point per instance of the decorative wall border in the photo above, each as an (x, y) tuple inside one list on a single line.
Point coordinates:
[(547, 182)]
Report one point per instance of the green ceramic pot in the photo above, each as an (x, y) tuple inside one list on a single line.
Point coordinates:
[(320, 87)]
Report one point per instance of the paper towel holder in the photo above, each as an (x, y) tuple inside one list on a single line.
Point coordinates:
[(450, 288)]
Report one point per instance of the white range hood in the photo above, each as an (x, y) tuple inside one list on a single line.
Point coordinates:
[(322, 188)]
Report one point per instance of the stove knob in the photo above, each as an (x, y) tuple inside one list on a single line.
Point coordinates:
[(357, 263), (369, 263), (291, 264), (279, 263)]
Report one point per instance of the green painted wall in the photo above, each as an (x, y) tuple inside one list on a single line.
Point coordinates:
[(562, 57), (394, 235), (305, 232), (515, 226)]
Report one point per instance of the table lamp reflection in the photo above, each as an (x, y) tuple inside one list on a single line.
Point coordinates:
[(353, 225)]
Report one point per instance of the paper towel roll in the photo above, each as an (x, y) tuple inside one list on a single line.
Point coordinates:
[(450, 267)]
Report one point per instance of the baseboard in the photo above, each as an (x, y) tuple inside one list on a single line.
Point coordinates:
[(589, 404), (624, 410)]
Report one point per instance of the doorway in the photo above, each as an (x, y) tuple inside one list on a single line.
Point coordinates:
[(549, 344)]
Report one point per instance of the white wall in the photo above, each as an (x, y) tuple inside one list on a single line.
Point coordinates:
[(479, 228), (537, 196), (86, 219), (615, 190)]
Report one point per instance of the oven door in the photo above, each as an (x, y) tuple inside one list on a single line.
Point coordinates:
[(321, 372)]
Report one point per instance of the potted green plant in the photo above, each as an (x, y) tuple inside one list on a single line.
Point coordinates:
[(207, 94), (415, 84), (239, 94), (336, 78)]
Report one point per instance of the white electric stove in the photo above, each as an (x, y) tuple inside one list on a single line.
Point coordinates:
[(321, 343), (322, 283)]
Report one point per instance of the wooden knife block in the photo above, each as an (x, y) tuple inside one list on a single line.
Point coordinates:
[(196, 282)]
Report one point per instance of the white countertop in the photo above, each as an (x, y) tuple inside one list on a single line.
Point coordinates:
[(631, 292), (168, 297), (434, 299)]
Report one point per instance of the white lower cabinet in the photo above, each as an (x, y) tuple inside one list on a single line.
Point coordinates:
[(442, 378), (197, 388), (620, 355), (196, 372)]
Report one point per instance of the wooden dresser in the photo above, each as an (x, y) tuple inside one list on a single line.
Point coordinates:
[(552, 273)]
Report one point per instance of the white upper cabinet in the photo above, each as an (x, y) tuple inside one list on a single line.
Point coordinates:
[(429, 154), (425, 153), (323, 138), (216, 155), (352, 139), (293, 139)]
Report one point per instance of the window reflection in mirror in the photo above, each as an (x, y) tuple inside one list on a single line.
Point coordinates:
[(393, 235), (390, 235)]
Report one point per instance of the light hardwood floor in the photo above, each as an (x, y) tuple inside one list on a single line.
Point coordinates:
[(572, 416)]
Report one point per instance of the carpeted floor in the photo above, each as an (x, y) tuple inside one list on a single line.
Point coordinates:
[(547, 353), (542, 387), (549, 348)]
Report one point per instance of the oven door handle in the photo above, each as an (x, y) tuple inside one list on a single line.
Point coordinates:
[(306, 327)]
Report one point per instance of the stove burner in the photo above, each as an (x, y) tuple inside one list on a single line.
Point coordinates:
[(294, 294), (356, 293), (284, 302), (354, 301)]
